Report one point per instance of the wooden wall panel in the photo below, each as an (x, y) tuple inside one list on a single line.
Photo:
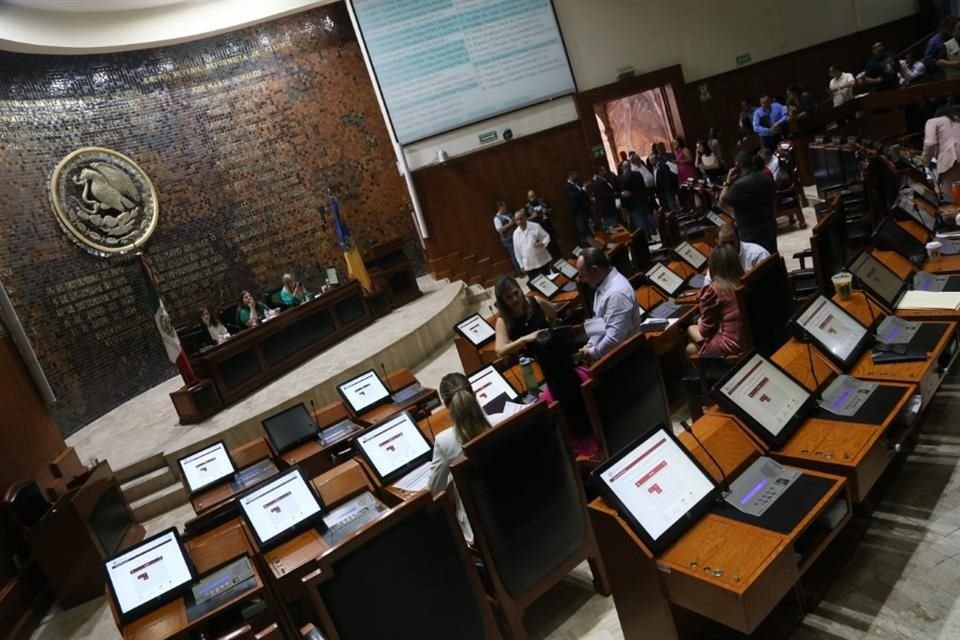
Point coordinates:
[(458, 198)]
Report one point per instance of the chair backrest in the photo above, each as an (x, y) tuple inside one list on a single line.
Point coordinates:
[(524, 499), (417, 559), (26, 503), (620, 258), (230, 318), (829, 247), (194, 337), (625, 396), (768, 304), (272, 299), (639, 251)]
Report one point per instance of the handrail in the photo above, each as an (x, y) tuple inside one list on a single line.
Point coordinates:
[(920, 41)]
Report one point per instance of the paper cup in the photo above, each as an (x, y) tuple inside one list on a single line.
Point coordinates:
[(843, 284), (933, 250)]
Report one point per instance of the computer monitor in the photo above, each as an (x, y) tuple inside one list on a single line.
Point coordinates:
[(665, 280), (765, 398), (394, 447), (476, 330), (492, 390), (206, 467), (691, 255), (878, 279), (565, 268), (364, 392), (657, 487), (906, 205), (290, 428), (543, 285), (281, 507), (837, 333), (892, 237), (146, 575)]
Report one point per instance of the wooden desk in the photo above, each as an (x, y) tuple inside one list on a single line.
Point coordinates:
[(256, 356), (725, 570), (398, 380), (795, 356), (560, 298), (864, 308), (223, 493)]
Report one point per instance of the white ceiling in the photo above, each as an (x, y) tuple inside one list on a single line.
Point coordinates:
[(90, 6)]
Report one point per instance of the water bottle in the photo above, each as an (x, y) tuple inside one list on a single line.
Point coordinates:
[(529, 379)]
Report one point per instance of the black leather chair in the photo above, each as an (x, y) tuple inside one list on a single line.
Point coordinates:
[(193, 338), (520, 488), (228, 316), (415, 558), (26, 504), (768, 304), (271, 298)]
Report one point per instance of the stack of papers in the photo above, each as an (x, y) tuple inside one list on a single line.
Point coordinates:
[(930, 300), (509, 408)]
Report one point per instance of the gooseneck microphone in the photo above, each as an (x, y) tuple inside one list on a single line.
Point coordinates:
[(724, 485), (386, 380)]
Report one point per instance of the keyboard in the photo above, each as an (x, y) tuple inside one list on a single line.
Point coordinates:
[(222, 580), (338, 432), (350, 517), (407, 393)]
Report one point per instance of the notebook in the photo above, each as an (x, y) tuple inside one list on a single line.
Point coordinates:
[(929, 300)]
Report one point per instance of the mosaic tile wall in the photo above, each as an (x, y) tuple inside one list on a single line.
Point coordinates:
[(242, 135)]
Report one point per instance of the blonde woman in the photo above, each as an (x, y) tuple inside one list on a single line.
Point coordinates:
[(469, 422), (720, 330)]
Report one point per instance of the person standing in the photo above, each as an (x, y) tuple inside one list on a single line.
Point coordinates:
[(635, 187), (530, 242), (769, 120), (941, 138), (504, 224), (745, 119), (713, 141), (539, 211), (752, 196), (605, 197), (841, 85), (936, 49), (800, 103), (882, 71), (665, 177), (950, 62), (707, 162), (579, 203)]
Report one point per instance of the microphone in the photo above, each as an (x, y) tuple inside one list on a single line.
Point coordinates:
[(313, 407), (813, 370), (386, 380), (724, 485)]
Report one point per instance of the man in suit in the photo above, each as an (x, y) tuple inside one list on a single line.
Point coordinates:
[(605, 196), (635, 186), (579, 203)]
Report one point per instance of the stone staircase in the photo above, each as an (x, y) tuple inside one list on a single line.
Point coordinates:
[(151, 487), (471, 269)]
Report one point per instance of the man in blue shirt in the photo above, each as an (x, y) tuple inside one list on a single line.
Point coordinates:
[(768, 121), (614, 302), (936, 50)]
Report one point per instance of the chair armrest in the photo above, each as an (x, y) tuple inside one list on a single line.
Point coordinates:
[(802, 257)]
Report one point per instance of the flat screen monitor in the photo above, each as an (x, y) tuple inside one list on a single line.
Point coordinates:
[(665, 280), (148, 574), (394, 447), (543, 285), (565, 268), (691, 255), (290, 428), (657, 487), (364, 392), (476, 330), (836, 332), (910, 208), (892, 237), (280, 507), (110, 519), (206, 467), (770, 402), (878, 279), (492, 390)]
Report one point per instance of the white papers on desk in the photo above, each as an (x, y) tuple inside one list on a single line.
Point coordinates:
[(416, 480), (670, 322), (509, 409), (552, 276), (930, 300), (595, 327), (846, 395)]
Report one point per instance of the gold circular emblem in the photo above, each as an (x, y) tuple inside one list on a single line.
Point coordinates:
[(104, 201)]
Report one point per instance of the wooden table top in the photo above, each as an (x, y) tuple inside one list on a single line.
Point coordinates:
[(795, 357)]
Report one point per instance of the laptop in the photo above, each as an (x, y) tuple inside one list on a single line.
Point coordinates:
[(395, 448), (834, 331), (666, 280), (886, 286), (547, 287), (290, 428), (691, 255), (212, 466), (890, 236), (565, 268), (364, 392), (476, 330), (281, 508)]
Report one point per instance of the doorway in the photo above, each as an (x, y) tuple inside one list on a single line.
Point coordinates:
[(634, 122)]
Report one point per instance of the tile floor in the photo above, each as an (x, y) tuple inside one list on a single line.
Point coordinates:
[(901, 582)]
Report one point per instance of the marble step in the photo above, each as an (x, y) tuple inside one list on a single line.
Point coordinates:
[(140, 467), (158, 502), (151, 482)]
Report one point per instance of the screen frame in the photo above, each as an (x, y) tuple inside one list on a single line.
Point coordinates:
[(802, 333), (510, 386), (192, 492), (289, 532), (362, 42), (773, 442), (869, 289), (706, 258), (399, 472), (560, 264), (295, 443), (357, 412), (464, 335), (533, 285), (154, 603), (655, 284), (682, 525), (882, 233)]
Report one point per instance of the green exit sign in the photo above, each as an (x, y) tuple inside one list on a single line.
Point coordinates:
[(743, 58)]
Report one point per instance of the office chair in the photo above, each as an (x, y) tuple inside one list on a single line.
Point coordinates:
[(26, 503)]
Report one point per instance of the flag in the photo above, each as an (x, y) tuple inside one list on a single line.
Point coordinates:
[(171, 342), (355, 267)]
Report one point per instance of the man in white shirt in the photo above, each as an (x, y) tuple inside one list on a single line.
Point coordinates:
[(750, 254), (530, 242), (841, 85), (615, 303)]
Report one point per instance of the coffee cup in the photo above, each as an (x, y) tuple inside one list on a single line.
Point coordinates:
[(933, 250), (843, 284)]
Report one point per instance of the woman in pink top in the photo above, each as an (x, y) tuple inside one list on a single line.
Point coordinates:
[(720, 331), (941, 139), (685, 168)]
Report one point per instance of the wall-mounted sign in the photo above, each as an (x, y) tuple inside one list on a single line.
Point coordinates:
[(743, 58)]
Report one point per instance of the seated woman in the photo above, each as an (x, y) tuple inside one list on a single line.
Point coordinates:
[(521, 319), (720, 331), (468, 423), (250, 313), (292, 292), (218, 332)]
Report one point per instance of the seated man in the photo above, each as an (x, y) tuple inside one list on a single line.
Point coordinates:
[(750, 253), (293, 292), (614, 302)]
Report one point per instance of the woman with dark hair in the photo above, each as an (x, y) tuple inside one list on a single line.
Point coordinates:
[(521, 318), (250, 313), (941, 139), (720, 330), (218, 332), (685, 168), (713, 141), (469, 422), (708, 163)]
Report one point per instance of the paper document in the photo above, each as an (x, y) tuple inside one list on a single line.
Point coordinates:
[(930, 300), (894, 330), (670, 322), (846, 395), (416, 480), (509, 409), (595, 327), (553, 276)]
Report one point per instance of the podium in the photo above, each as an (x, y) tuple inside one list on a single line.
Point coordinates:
[(391, 272)]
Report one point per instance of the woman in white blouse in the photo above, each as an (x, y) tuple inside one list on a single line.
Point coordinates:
[(218, 332), (469, 422)]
